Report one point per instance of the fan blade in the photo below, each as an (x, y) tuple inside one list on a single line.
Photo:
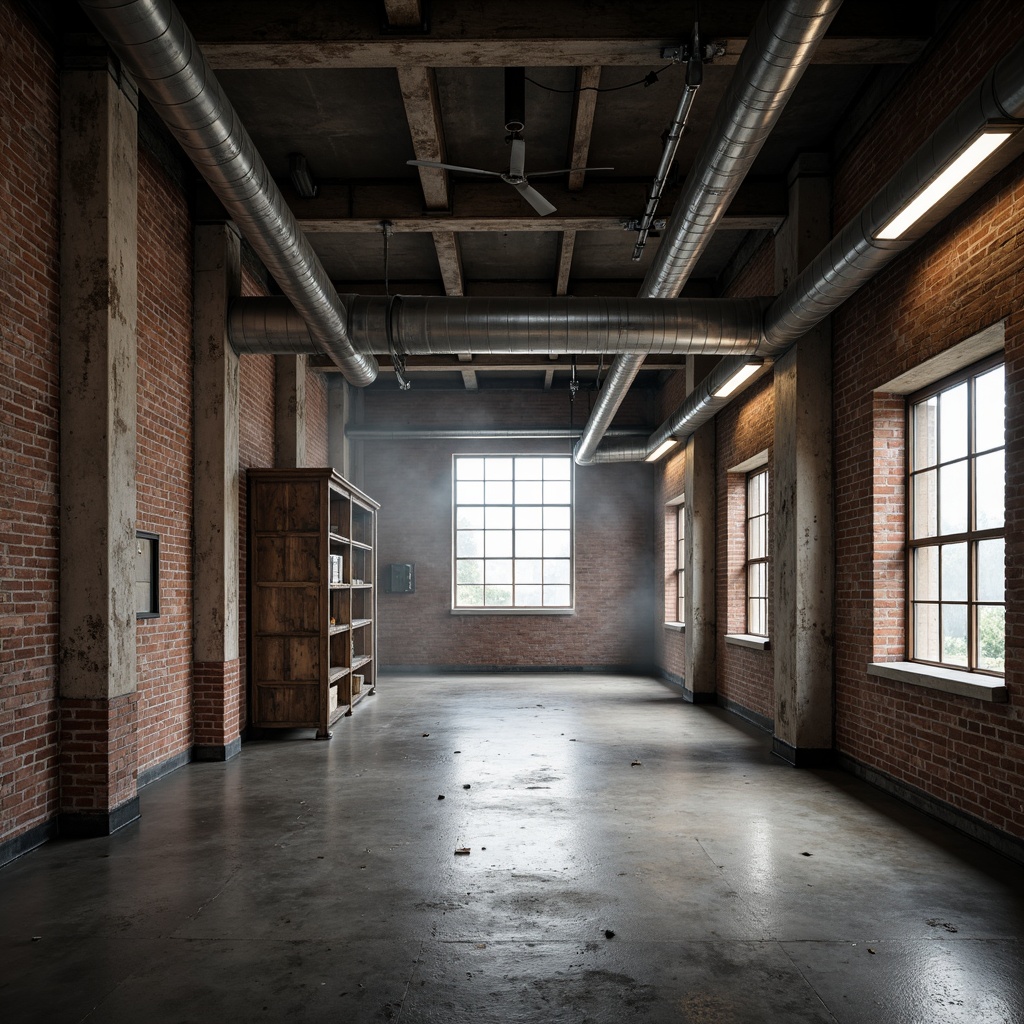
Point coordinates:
[(567, 170), (534, 198), (451, 167), (517, 160)]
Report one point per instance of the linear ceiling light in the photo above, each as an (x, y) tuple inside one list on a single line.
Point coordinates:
[(746, 371), (983, 146), (666, 445)]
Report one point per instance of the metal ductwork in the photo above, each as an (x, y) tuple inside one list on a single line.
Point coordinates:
[(416, 325), (854, 256), (777, 53), (476, 434), (155, 46)]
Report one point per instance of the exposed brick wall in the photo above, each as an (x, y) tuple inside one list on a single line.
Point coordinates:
[(164, 462), (98, 753), (316, 420), (29, 400), (964, 276), (218, 698), (923, 99), (615, 578), (743, 429), (255, 449), (670, 643)]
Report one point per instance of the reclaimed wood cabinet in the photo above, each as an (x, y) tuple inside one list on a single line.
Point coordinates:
[(312, 614)]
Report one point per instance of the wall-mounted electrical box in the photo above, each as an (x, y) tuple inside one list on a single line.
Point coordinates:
[(400, 578)]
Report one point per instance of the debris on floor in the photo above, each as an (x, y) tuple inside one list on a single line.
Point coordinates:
[(440, 796), (466, 785), (609, 934), (636, 764), (462, 851)]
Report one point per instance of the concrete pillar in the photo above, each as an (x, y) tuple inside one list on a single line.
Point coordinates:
[(338, 403), (802, 545), (99, 321), (290, 412), (700, 658), (217, 689)]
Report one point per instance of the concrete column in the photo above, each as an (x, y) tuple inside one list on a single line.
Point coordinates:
[(802, 545), (338, 404), (700, 659), (290, 411), (99, 321), (217, 689)]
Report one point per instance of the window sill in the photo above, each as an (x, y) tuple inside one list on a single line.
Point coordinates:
[(513, 611), (945, 680), (749, 640), (679, 627)]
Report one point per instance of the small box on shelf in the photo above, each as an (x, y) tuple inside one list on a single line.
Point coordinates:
[(357, 682), (337, 569)]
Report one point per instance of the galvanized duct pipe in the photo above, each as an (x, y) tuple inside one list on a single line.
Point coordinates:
[(476, 434), (853, 257), (154, 44), (419, 325), (777, 53)]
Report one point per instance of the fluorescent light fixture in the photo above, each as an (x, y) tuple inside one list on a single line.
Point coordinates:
[(951, 176), (666, 445), (746, 371)]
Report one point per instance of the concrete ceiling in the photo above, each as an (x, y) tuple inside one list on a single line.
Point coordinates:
[(361, 88)]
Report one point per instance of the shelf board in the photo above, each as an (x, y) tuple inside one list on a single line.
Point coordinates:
[(361, 545), (338, 672), (357, 623), (341, 628), (359, 660), (362, 586), (339, 586), (338, 538)]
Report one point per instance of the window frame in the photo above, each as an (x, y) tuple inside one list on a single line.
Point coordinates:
[(681, 561), (514, 558), (152, 540), (969, 537), (759, 560)]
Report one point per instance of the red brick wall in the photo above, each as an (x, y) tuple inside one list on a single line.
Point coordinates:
[(316, 420), (99, 747), (743, 429), (255, 449), (963, 277), (919, 104), (29, 399), (615, 578), (164, 462)]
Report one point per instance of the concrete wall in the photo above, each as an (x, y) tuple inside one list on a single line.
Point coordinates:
[(612, 626)]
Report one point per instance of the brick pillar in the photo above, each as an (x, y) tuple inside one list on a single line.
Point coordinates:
[(802, 547), (99, 270), (216, 689), (290, 411)]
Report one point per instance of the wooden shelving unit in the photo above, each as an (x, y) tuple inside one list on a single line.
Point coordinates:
[(312, 618)]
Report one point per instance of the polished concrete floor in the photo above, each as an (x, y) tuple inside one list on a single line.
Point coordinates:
[(631, 858)]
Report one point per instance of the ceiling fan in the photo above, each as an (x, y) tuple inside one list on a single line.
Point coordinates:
[(515, 106)]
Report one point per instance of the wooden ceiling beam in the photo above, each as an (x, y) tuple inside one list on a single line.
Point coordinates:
[(565, 248), (502, 364), (588, 79), (483, 206), (423, 112), (437, 52)]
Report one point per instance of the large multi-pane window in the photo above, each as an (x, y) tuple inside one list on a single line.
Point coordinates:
[(956, 521), (513, 531), (757, 552), (680, 562)]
